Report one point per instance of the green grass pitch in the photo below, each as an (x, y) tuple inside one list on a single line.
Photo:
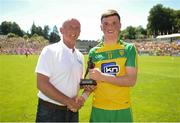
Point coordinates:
[(155, 97)]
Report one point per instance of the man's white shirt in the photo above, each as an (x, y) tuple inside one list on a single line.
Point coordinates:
[(63, 67)]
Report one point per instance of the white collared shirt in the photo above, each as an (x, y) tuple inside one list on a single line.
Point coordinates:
[(63, 67)]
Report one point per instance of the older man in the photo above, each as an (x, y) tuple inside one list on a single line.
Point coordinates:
[(59, 70)]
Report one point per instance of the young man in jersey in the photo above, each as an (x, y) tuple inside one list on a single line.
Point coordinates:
[(115, 72), (59, 70)]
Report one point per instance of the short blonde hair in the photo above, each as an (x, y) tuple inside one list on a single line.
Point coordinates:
[(110, 12)]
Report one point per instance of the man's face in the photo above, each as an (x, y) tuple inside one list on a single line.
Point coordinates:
[(70, 31), (110, 26)]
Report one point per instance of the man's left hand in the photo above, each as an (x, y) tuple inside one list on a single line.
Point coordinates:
[(95, 74)]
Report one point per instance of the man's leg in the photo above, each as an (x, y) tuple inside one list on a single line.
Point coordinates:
[(44, 114)]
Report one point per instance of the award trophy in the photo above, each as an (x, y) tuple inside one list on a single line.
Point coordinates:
[(88, 81)]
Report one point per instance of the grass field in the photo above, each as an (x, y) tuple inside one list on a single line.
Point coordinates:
[(155, 97)]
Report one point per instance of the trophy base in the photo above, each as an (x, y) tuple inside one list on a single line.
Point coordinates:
[(87, 82)]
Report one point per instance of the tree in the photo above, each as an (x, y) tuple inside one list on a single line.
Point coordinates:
[(130, 32), (39, 31), (5, 27), (0, 30), (36, 30), (16, 29), (155, 18), (168, 21), (177, 21), (33, 29), (133, 32), (46, 32), (140, 32), (54, 36), (11, 35), (11, 27), (161, 20)]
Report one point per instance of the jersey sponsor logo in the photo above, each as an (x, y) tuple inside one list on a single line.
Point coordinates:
[(110, 68), (99, 56)]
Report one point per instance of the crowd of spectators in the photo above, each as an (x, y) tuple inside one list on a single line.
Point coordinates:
[(158, 48), (21, 46)]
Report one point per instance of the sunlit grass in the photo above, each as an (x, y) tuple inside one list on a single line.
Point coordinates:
[(155, 97)]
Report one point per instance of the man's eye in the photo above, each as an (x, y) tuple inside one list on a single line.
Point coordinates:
[(105, 24), (114, 23)]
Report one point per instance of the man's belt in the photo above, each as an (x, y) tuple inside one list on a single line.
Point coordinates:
[(51, 105)]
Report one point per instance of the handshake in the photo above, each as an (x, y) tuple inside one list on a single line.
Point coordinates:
[(74, 104)]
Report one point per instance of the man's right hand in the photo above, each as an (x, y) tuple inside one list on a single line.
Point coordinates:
[(73, 105)]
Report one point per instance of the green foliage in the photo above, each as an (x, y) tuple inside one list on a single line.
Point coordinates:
[(0, 30), (133, 33), (11, 35), (140, 32), (38, 38), (10, 27), (155, 97), (54, 36), (177, 21), (6, 27), (25, 36), (16, 29), (46, 32), (162, 20), (36, 30), (39, 31), (35, 35)]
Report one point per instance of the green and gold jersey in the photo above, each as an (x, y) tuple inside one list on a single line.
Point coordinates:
[(112, 59)]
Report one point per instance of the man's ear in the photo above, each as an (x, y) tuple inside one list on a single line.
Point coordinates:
[(61, 30), (101, 26), (120, 26)]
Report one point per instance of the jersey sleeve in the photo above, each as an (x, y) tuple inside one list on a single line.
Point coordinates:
[(131, 56), (44, 63)]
